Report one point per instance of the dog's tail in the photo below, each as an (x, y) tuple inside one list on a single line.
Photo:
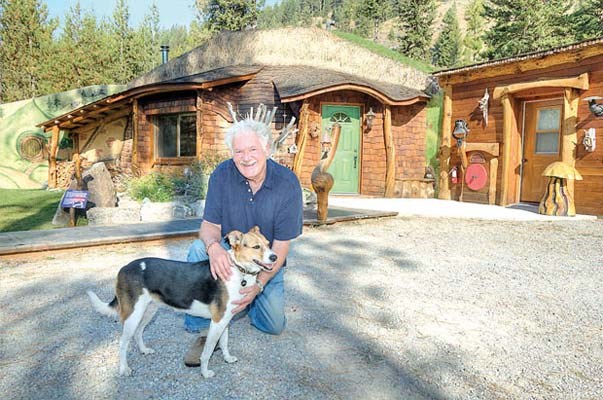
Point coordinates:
[(108, 309)]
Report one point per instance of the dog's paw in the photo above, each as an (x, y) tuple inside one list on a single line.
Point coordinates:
[(209, 374), (147, 350), (230, 359), (126, 371)]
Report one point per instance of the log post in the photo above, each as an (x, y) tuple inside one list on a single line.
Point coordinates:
[(304, 116), (390, 154), (569, 137), (52, 157), (199, 118), (506, 156), (135, 134), (445, 144)]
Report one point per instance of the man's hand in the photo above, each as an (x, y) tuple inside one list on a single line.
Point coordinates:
[(219, 262), (249, 295)]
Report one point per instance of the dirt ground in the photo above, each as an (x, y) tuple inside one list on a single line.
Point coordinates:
[(399, 308)]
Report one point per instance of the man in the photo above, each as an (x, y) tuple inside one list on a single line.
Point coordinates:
[(246, 191)]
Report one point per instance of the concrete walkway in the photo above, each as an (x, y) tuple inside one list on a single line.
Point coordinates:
[(341, 208)]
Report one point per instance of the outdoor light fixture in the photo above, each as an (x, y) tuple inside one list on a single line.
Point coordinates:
[(460, 131), (370, 117), (595, 109), (325, 139)]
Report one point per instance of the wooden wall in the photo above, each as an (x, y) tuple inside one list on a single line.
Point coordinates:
[(465, 97)]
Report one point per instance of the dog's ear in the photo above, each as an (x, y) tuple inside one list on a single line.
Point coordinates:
[(255, 229), (234, 238)]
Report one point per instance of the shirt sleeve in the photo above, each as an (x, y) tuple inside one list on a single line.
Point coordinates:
[(213, 201), (290, 216)]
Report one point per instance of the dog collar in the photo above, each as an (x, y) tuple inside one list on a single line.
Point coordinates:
[(244, 271)]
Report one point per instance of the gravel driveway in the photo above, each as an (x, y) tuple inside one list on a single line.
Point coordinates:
[(400, 308)]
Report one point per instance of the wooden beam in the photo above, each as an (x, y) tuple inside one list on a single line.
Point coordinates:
[(52, 158), (298, 160), (518, 66), (569, 136), (390, 152), (578, 82), (445, 145), (506, 156), (357, 88), (490, 148)]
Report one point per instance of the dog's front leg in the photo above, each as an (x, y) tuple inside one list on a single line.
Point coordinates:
[(224, 346), (214, 333)]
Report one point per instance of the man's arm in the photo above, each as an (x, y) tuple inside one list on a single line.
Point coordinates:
[(281, 248), (219, 259)]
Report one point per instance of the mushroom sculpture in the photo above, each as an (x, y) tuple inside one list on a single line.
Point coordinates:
[(322, 181), (557, 200)]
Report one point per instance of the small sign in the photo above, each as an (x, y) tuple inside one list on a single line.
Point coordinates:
[(75, 199)]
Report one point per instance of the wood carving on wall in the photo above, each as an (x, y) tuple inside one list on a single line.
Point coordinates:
[(322, 181)]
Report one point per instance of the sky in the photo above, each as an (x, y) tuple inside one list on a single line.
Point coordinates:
[(171, 12)]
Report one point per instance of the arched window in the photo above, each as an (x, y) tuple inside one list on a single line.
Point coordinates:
[(340, 117)]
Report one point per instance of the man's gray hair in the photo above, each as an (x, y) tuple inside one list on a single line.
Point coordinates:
[(263, 132)]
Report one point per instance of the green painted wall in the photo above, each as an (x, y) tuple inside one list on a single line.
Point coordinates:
[(18, 120)]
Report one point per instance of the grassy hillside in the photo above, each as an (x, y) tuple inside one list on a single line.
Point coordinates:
[(384, 51)]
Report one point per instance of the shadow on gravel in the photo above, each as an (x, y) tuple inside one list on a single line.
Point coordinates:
[(344, 359)]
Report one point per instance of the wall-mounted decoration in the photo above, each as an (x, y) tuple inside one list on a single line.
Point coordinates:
[(590, 140), (483, 106), (595, 109)]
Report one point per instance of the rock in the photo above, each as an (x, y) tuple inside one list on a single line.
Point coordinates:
[(97, 180), (164, 211), (113, 216)]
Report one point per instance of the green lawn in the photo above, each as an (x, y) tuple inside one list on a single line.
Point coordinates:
[(25, 210)]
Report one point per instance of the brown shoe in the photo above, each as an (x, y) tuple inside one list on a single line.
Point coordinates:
[(192, 358)]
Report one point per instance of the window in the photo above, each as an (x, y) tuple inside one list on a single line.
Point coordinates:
[(547, 131), (176, 135)]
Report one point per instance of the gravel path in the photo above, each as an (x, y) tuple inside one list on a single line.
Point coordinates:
[(401, 308)]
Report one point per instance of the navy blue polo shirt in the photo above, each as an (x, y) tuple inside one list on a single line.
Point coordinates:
[(276, 207)]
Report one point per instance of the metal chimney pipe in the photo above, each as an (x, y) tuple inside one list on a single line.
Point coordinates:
[(165, 49)]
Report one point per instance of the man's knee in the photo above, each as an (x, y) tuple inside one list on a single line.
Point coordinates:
[(197, 252), (273, 326)]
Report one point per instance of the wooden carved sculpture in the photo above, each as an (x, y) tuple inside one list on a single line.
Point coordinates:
[(322, 181), (557, 199)]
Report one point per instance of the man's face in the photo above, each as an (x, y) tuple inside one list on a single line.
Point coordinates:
[(249, 156)]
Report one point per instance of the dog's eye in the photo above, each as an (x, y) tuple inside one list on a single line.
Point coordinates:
[(257, 247)]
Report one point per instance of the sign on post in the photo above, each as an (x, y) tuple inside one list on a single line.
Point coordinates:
[(75, 199)]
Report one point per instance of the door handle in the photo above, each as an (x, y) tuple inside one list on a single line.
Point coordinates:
[(525, 160), (355, 159)]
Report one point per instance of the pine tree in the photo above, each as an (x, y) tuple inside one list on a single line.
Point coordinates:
[(522, 26), (371, 13), (123, 57), (415, 20), (26, 38), (447, 48), (473, 44), (146, 42), (230, 15), (587, 19), (82, 52)]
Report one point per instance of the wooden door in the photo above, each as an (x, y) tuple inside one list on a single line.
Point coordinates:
[(346, 164), (541, 146)]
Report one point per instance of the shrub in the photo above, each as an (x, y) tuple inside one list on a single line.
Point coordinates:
[(157, 187)]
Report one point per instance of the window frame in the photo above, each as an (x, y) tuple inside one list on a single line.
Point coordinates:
[(557, 131), (176, 159)]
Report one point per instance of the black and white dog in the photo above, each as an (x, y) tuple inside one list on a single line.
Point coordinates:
[(145, 283)]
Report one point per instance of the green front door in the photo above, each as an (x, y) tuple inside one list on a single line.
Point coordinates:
[(346, 165)]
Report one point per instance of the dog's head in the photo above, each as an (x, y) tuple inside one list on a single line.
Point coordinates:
[(251, 250)]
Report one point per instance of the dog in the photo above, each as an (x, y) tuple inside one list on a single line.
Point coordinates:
[(146, 283)]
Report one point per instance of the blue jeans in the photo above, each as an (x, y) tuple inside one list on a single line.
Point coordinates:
[(266, 312)]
